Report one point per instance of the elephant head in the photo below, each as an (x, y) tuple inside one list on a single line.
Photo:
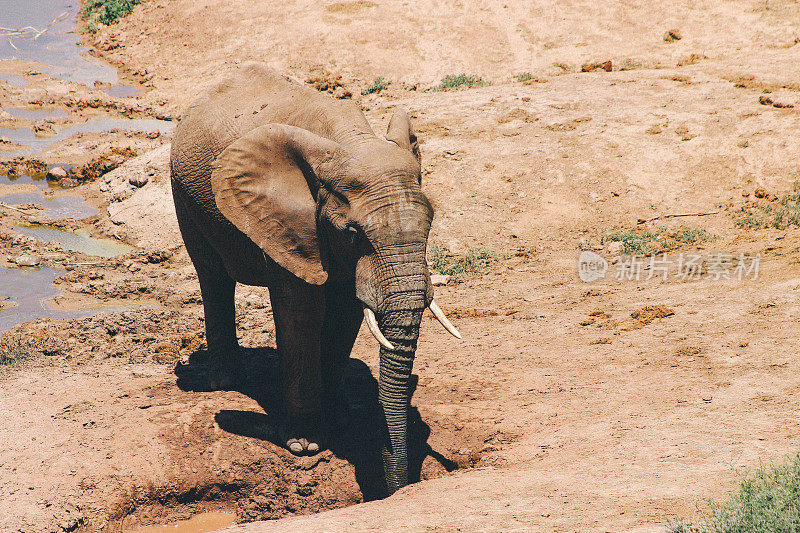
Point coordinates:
[(354, 210)]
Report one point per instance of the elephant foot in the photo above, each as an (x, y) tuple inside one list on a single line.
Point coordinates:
[(301, 436)]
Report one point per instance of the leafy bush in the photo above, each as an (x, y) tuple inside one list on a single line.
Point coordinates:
[(377, 85), (767, 500), (522, 77), (475, 261), (106, 11), (451, 82)]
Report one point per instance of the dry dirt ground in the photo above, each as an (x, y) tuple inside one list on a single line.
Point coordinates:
[(563, 409)]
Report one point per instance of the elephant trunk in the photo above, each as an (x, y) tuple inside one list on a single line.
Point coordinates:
[(401, 328)]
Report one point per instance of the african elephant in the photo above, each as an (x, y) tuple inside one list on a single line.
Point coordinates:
[(278, 185)]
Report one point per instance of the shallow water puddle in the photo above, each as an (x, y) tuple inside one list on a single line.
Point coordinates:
[(28, 288), (200, 523), (37, 114), (60, 207), (75, 241), (122, 91), (57, 47), (13, 79), (40, 180), (95, 125)]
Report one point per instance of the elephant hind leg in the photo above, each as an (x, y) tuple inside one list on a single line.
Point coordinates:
[(217, 290)]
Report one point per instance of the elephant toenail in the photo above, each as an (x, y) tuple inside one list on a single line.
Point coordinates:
[(296, 448), (313, 447)]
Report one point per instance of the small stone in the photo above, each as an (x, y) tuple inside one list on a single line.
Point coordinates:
[(439, 279), (138, 180), (27, 260), (615, 248), (761, 192), (672, 36), (56, 173)]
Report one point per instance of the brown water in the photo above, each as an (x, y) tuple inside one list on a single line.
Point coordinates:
[(76, 241), (60, 207), (29, 289), (200, 523)]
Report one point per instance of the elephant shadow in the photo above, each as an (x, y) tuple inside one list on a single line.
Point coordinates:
[(358, 440)]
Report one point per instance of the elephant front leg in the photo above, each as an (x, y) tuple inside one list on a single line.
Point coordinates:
[(343, 317), (298, 309)]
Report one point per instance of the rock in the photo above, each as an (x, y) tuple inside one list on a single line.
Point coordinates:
[(672, 36), (43, 128), (615, 248), (27, 260), (598, 65), (439, 279), (761, 192), (138, 180), (56, 173)]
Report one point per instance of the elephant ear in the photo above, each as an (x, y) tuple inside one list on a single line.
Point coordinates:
[(262, 183), (401, 132)]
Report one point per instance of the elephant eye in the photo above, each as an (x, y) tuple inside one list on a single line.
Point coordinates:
[(354, 234)]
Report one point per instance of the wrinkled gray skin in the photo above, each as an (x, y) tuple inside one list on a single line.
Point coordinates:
[(277, 185)]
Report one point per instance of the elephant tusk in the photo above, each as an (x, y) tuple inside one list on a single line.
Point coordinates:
[(372, 324), (437, 312)]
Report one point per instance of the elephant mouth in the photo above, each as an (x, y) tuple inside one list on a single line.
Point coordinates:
[(372, 324)]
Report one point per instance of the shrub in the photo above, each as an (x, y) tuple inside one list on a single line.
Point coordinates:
[(451, 82), (106, 11), (658, 240), (15, 352), (377, 85), (767, 500), (475, 261), (768, 211)]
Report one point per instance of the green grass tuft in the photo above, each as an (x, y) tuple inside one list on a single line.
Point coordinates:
[(522, 77), (767, 500), (106, 11), (451, 82), (657, 241), (475, 262), (377, 85)]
